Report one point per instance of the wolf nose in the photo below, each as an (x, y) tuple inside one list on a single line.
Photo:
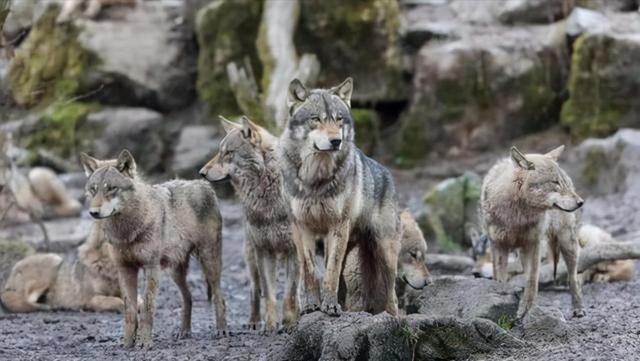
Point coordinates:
[(580, 203), (335, 143), (94, 214), (203, 173)]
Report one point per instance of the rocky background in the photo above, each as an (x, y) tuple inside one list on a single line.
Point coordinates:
[(442, 89)]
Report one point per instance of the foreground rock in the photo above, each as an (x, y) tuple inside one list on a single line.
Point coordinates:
[(465, 297), (360, 336)]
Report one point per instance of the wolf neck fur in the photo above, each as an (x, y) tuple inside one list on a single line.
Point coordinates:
[(520, 214), (132, 220), (320, 171), (258, 186)]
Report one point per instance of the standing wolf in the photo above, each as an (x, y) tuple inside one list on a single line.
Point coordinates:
[(246, 157), (338, 194), (517, 195), (154, 227)]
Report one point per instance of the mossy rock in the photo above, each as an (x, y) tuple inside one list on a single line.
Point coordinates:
[(453, 204), (367, 125), (50, 65), (344, 35), (226, 32), (603, 85), (58, 129)]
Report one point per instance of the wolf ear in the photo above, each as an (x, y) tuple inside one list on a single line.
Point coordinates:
[(555, 154), (126, 164), (250, 131), (89, 164), (520, 160), (227, 125), (344, 90), (297, 94)]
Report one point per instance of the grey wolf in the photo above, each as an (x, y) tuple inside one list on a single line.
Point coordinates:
[(412, 270), (40, 193), (339, 195), (516, 197), (48, 281), (247, 159), (607, 271), (154, 227)]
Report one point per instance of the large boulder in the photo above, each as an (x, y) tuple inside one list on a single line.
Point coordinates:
[(226, 32), (465, 297), (196, 145), (534, 11), (602, 87), (344, 35), (143, 58), (452, 208), (109, 130), (483, 90), (360, 336)]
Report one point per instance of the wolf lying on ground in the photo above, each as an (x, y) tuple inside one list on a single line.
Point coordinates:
[(516, 197), (40, 193), (339, 195), (412, 270), (48, 281), (246, 157), (154, 227)]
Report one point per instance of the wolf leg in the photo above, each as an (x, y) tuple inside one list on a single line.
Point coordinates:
[(305, 249), (106, 304), (212, 267), (290, 309), (267, 268), (179, 275), (254, 277), (337, 241), (531, 256), (129, 285), (390, 272), (151, 280), (569, 248), (500, 263)]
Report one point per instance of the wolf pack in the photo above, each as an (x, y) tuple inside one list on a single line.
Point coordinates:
[(309, 194)]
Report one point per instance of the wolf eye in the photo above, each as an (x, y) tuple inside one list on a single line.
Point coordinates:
[(413, 254), (555, 182), (93, 190)]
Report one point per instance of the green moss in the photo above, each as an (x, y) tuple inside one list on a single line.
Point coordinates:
[(505, 322), (345, 34), (595, 106), (594, 161), (226, 31), (51, 65), (58, 128), (367, 126)]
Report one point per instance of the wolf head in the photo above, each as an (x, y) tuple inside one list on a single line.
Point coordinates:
[(543, 183), (110, 183), (411, 263), (320, 128), (242, 150)]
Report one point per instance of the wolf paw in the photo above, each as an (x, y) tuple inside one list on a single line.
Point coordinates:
[(144, 343), (331, 307), (128, 343), (222, 333), (309, 308), (579, 313), (182, 334), (252, 326)]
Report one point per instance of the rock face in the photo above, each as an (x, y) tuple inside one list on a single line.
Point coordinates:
[(483, 90), (602, 94), (343, 35), (453, 206), (465, 297), (360, 336), (226, 31), (196, 145), (137, 129), (534, 11)]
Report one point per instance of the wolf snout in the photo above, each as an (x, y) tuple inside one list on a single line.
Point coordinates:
[(95, 214), (203, 173)]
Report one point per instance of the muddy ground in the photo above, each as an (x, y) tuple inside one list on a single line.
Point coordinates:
[(610, 331)]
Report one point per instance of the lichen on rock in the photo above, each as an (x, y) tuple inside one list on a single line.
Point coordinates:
[(226, 32), (50, 65)]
